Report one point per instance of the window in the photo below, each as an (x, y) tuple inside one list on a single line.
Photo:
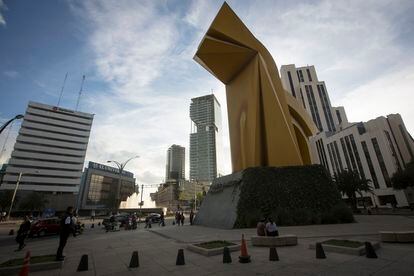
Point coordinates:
[(309, 75), (339, 157), (394, 153), (326, 107), (407, 144), (348, 146), (300, 75), (321, 152), (303, 100), (354, 147), (313, 107), (338, 115), (381, 162), (331, 159), (370, 166), (348, 165), (292, 88)]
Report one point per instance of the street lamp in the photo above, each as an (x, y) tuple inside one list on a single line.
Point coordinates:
[(9, 121), (15, 191), (121, 167)]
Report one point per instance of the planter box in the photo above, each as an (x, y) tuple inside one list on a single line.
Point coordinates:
[(14, 270), (211, 252), (358, 251), (400, 236), (284, 240)]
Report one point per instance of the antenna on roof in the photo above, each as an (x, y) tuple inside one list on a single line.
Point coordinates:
[(61, 90), (80, 93)]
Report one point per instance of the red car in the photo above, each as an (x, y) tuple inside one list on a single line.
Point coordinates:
[(42, 227)]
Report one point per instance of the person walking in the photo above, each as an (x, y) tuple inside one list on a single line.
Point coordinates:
[(182, 218), (67, 227), (191, 217), (23, 232), (162, 222)]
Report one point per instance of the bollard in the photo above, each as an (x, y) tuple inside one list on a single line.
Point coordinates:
[(11, 233), (93, 225), (244, 257), (273, 256), (226, 255), (370, 251), (99, 224), (134, 260), (320, 254), (83, 264), (180, 257)]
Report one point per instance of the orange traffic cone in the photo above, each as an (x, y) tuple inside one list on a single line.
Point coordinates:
[(25, 269), (244, 257)]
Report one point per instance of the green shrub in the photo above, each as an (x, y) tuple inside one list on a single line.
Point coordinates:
[(297, 195)]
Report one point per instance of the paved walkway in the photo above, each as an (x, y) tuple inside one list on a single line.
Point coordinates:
[(110, 253)]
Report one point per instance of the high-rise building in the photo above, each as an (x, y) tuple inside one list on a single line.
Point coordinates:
[(375, 149), (303, 84), (175, 168), (49, 152), (205, 140)]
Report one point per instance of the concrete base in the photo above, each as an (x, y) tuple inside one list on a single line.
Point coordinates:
[(400, 236), (211, 252), (284, 240), (219, 207), (359, 251)]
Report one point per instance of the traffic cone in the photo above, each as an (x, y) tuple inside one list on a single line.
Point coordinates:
[(11, 233), (226, 255), (25, 268), (273, 256), (180, 257), (370, 251), (320, 254), (244, 257), (93, 225), (134, 260), (83, 264)]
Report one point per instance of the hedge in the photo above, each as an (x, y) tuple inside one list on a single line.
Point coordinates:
[(298, 195)]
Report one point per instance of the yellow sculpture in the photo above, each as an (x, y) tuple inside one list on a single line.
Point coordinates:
[(268, 127)]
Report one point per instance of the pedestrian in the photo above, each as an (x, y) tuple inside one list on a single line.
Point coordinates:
[(271, 228), (177, 218), (191, 217), (93, 215), (67, 227), (182, 218), (162, 222), (261, 227), (23, 232)]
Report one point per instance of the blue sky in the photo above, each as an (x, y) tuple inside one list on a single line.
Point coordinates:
[(140, 76)]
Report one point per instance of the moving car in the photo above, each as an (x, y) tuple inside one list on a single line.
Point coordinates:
[(45, 226), (154, 217), (121, 219)]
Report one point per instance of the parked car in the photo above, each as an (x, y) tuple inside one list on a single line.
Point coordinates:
[(154, 217), (121, 219), (43, 227)]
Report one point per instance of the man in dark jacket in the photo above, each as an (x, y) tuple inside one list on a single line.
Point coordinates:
[(67, 227), (23, 232)]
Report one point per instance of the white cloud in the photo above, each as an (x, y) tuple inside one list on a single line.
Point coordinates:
[(11, 74), (3, 7)]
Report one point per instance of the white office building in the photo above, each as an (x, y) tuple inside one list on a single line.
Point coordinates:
[(375, 149), (205, 139), (50, 152)]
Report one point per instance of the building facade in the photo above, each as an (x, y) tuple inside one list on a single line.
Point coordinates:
[(175, 167), (50, 151), (205, 139), (375, 149), (102, 187)]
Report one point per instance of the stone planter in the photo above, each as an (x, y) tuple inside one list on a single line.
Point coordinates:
[(357, 251), (282, 240), (211, 252)]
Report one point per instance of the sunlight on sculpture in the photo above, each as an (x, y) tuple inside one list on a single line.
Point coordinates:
[(268, 127)]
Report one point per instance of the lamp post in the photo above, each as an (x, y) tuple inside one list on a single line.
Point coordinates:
[(15, 191), (121, 167), (9, 121)]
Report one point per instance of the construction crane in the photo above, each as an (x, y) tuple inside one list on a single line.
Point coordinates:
[(61, 90), (80, 93)]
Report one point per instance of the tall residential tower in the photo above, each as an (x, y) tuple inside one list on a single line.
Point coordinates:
[(49, 152), (205, 140)]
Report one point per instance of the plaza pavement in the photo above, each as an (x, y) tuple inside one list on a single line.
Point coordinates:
[(110, 253)]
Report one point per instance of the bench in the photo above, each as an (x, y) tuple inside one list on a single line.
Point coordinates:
[(397, 236), (283, 240)]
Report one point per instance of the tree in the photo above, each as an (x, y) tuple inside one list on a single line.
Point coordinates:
[(349, 183), (33, 202), (403, 179)]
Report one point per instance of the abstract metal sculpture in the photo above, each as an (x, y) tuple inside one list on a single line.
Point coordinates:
[(268, 127)]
